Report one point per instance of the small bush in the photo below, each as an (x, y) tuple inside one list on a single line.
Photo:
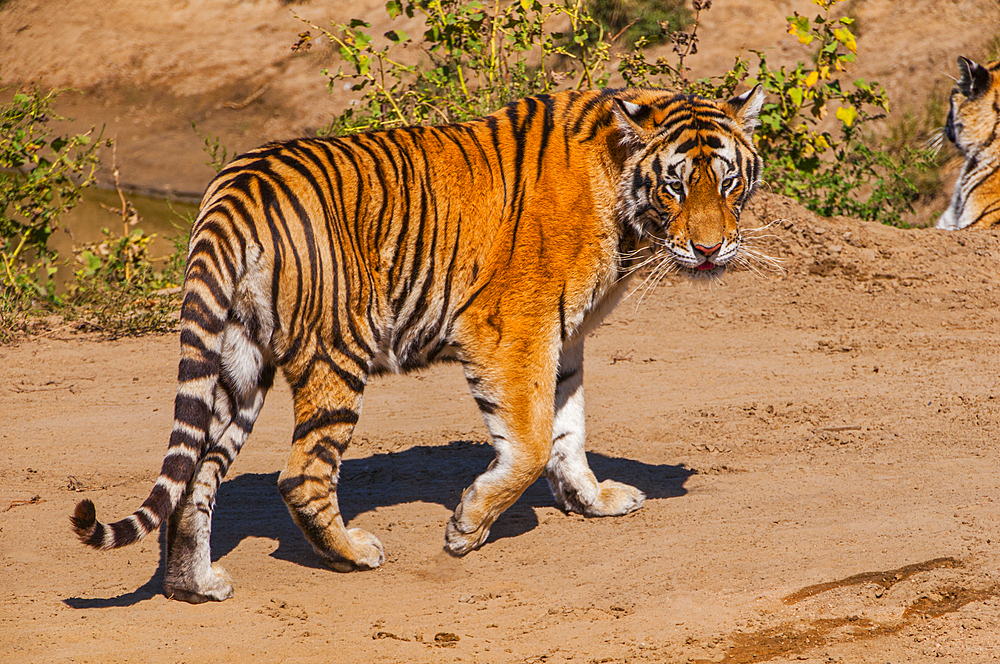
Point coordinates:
[(116, 290), (41, 177), (478, 59)]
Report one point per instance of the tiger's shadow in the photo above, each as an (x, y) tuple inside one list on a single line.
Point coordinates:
[(249, 505)]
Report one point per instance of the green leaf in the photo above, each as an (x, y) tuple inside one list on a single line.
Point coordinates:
[(393, 8), (91, 263), (397, 36)]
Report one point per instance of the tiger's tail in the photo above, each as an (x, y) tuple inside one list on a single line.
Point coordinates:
[(213, 271)]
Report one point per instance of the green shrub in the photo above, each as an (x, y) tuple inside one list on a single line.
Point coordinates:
[(116, 288), (41, 177), (118, 291), (479, 58)]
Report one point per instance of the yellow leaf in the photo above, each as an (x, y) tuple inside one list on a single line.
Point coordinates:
[(812, 78), (846, 115), (824, 71), (845, 37), (804, 37)]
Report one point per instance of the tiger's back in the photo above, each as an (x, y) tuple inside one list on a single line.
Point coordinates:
[(973, 125), (497, 243), (407, 224)]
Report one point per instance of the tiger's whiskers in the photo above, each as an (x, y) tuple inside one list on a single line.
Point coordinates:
[(936, 140), (753, 258)]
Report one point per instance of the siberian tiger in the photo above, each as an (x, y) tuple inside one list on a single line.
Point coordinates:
[(498, 243), (973, 124)]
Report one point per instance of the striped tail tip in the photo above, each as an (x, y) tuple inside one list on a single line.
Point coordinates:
[(85, 524), (121, 533)]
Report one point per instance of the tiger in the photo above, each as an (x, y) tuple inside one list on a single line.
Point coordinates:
[(972, 125), (498, 243)]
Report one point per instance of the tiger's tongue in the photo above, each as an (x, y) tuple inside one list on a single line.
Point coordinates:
[(707, 265)]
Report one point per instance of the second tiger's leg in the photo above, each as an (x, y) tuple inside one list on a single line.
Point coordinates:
[(327, 405), (572, 482)]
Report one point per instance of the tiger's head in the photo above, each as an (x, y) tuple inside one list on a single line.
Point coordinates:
[(974, 100), (690, 169)]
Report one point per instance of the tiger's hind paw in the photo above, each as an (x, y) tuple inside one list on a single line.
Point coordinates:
[(367, 553), (217, 587)]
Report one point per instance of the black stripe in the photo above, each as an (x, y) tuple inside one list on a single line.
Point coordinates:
[(562, 313), (563, 377), (191, 411), (468, 302), (177, 467), (325, 418), (195, 310), (184, 439), (146, 522), (158, 501), (289, 485), (486, 405), (189, 369), (124, 532), (321, 451), (190, 339), (584, 112)]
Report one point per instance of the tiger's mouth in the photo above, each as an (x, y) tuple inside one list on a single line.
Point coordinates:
[(707, 265)]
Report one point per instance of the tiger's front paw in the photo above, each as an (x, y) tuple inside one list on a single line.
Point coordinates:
[(462, 538), (615, 499), (366, 553)]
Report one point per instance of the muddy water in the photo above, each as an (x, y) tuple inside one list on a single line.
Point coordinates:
[(100, 210)]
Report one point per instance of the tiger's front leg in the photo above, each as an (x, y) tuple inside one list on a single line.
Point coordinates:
[(573, 484), (514, 393)]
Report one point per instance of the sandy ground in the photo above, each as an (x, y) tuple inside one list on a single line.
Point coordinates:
[(818, 448), (817, 445)]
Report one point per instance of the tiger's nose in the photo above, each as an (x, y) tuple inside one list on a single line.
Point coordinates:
[(707, 252)]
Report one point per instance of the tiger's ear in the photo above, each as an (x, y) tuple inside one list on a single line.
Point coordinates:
[(975, 78), (746, 107), (636, 120)]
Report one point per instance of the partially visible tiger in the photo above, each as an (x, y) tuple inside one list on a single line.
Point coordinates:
[(498, 243), (973, 126)]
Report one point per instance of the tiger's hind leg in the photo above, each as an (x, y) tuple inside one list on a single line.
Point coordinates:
[(327, 405), (239, 395), (572, 482)]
